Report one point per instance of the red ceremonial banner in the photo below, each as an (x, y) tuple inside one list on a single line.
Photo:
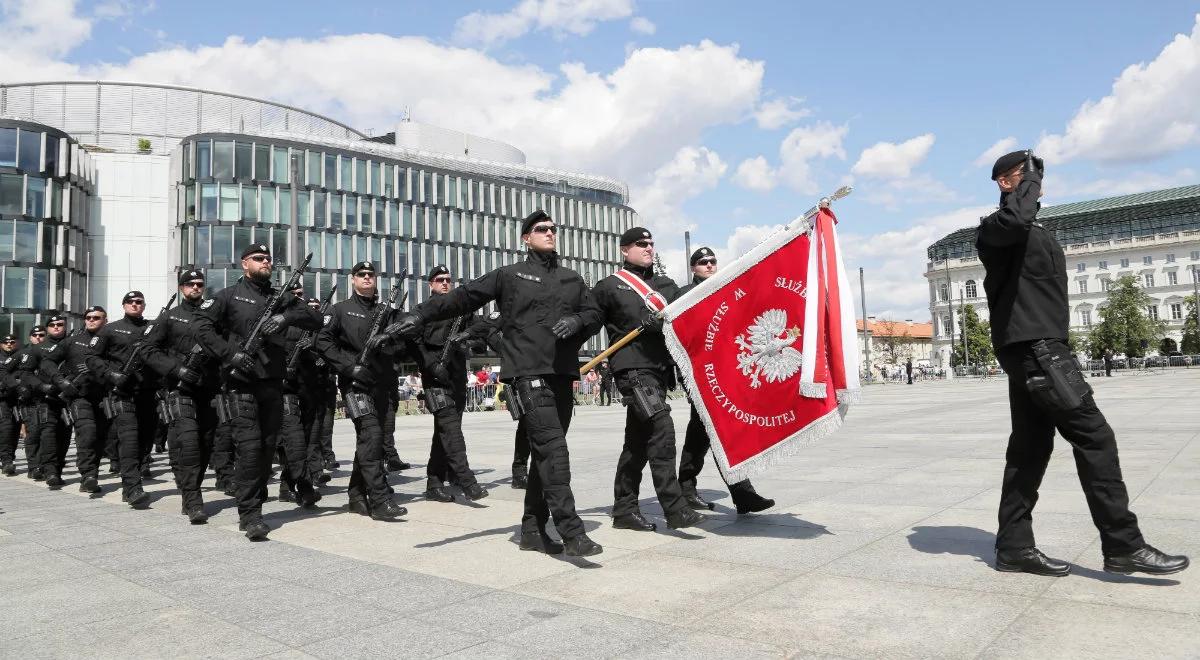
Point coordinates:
[(738, 343)]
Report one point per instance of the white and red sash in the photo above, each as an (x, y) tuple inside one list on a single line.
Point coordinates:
[(653, 299)]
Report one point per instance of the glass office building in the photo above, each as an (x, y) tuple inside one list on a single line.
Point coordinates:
[(46, 182)]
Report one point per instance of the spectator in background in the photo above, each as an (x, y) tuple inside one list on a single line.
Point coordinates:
[(592, 381)]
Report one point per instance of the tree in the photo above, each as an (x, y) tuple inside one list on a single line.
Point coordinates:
[(659, 268), (979, 339), (1077, 342), (892, 340), (1125, 326), (1191, 330), (1167, 346)]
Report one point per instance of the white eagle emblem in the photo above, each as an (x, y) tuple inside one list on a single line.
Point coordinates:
[(327, 318), (768, 353), (206, 304)]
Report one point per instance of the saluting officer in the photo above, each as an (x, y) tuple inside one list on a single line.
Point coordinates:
[(53, 433), (83, 391), (545, 311), (367, 387), (192, 380), (9, 422), (644, 373), (252, 399), (1026, 284), (27, 401), (442, 359), (696, 442)]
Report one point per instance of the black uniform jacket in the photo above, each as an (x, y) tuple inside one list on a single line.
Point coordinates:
[(117, 340), (224, 321), (70, 358), (8, 380), (531, 296), (170, 344), (624, 310), (426, 349), (1026, 281), (344, 334)]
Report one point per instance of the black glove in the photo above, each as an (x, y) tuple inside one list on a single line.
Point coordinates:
[(459, 337), (186, 376), (567, 326), (117, 379), (65, 387), (1033, 164), (274, 324), (243, 363), (48, 389), (652, 323), (407, 325), (24, 393), (361, 377), (305, 343)]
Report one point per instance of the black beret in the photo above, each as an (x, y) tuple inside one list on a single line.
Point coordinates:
[(635, 234), (190, 274), (1007, 162), (132, 295), (55, 318), (8, 338), (700, 254), (256, 248), (532, 219), (95, 308), (362, 267), (36, 329), (438, 270)]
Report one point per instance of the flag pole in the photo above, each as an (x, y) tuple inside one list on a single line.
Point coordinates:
[(824, 203)]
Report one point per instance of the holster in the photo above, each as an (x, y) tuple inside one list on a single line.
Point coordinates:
[(1061, 384), (112, 405), (231, 404), (291, 405), (646, 400), (520, 396), (358, 404), (17, 414), (437, 398), (175, 406), (68, 415)]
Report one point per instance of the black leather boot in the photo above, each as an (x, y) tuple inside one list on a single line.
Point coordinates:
[(581, 546), (1030, 560), (136, 498), (696, 502), (683, 518), (1148, 559), (475, 492), (438, 494), (256, 530), (89, 485), (360, 507), (540, 542), (635, 521), (389, 510)]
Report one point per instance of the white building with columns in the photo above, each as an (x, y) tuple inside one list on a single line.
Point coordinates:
[(1154, 236)]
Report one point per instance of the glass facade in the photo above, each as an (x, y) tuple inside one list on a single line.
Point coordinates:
[(46, 182), (405, 216)]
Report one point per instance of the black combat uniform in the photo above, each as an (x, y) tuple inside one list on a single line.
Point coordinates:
[(291, 430), (253, 385), (606, 384), (131, 402), (9, 423), (696, 444), (642, 368), (82, 392), (1026, 286), (539, 368), (309, 376), (192, 381), (52, 431), (26, 403)]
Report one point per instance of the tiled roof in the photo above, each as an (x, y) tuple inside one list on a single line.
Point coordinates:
[(898, 329)]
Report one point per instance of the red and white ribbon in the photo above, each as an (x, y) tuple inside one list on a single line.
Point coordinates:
[(652, 298)]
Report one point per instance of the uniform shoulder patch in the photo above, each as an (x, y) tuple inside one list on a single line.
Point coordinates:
[(149, 327), (527, 276), (493, 316), (206, 304), (24, 359), (93, 341), (328, 317)]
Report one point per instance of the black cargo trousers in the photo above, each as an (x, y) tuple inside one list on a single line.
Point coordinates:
[(696, 444), (1035, 417), (256, 422), (33, 433), (647, 440), (9, 428), (316, 416), (55, 437), (448, 448), (297, 471), (548, 402), (91, 432), (368, 478), (190, 437), (136, 425)]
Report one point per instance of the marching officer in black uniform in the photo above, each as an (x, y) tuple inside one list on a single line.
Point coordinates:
[(442, 359), (1026, 286), (291, 438), (192, 380), (545, 315), (696, 442), (368, 387), (317, 391), (9, 422), (131, 406), (53, 432), (26, 404), (252, 397), (644, 373), (82, 392)]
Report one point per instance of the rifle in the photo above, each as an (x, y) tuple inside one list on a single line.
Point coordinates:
[(253, 342), (112, 404), (294, 357), (360, 403), (141, 343)]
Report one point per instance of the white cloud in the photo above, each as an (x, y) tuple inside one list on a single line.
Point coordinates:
[(919, 188), (1153, 109), (778, 113), (801, 146), (642, 25), (560, 17), (988, 158), (659, 201), (32, 30), (888, 160), (755, 174)]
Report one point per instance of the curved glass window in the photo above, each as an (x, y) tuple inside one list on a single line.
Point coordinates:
[(360, 175), (26, 242), (202, 257), (222, 159), (16, 286), (11, 186), (314, 168), (230, 202), (203, 159), (330, 171), (262, 162), (29, 151), (346, 173), (243, 163), (208, 201), (222, 245), (6, 240), (267, 204), (41, 289), (8, 147), (249, 203)]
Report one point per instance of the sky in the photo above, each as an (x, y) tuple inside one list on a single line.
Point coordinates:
[(724, 121)]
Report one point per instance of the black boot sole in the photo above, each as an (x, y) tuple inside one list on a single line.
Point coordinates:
[(1017, 568), (1130, 570)]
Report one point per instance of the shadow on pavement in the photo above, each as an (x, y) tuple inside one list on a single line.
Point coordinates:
[(974, 542)]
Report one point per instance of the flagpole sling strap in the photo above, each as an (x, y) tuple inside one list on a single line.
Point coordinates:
[(655, 302)]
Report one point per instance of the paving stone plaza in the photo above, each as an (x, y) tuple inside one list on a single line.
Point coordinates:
[(880, 546)]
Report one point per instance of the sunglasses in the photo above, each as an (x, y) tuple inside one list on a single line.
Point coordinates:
[(441, 280), (8, 341), (196, 285), (259, 258), (38, 334), (545, 229), (93, 317), (707, 262), (56, 324), (644, 244), (139, 301), (366, 275)]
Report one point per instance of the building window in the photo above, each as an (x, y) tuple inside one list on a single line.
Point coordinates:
[(1152, 312), (972, 291), (1148, 280), (1196, 274), (8, 148), (1103, 265), (943, 291), (1105, 284), (1124, 263), (29, 152), (1195, 255), (947, 326), (1085, 318), (1172, 278), (1080, 267), (1082, 286), (1176, 311), (222, 167), (1170, 258), (1147, 260)]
